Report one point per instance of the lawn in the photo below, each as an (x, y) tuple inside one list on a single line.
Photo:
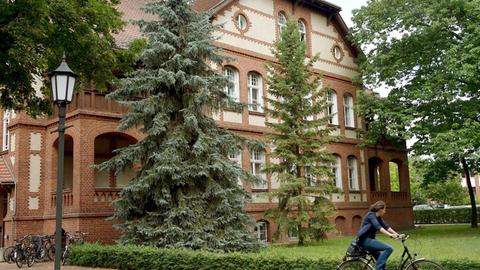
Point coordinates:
[(429, 241)]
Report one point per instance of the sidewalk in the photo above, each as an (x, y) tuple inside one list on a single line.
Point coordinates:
[(45, 266)]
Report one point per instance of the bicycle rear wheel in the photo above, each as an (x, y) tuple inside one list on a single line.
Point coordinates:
[(423, 264), (8, 254), (355, 264)]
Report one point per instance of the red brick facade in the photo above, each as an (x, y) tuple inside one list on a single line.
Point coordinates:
[(87, 202)]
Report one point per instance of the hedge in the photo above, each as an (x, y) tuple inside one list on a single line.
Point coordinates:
[(139, 258), (443, 215)]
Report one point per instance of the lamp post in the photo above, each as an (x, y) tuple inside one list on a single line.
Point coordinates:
[(63, 82)]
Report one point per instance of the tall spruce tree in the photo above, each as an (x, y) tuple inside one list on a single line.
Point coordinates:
[(297, 106), (186, 194)]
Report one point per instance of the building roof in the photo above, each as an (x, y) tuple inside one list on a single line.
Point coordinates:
[(132, 10), (6, 175)]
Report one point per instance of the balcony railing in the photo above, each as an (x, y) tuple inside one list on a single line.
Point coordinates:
[(93, 100), (67, 198), (106, 194)]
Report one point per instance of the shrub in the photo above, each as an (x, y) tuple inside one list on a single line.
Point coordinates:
[(442, 216), (141, 257)]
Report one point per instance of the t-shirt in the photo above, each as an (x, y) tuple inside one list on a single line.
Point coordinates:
[(370, 225)]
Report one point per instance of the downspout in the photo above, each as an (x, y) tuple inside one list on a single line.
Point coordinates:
[(15, 198)]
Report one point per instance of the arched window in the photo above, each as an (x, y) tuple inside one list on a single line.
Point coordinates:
[(352, 173), (337, 172), (261, 231), (282, 22), (255, 92), (6, 132), (303, 31), (348, 111), (257, 162), (233, 87), (332, 107)]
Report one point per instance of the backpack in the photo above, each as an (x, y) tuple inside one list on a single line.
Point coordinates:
[(354, 249)]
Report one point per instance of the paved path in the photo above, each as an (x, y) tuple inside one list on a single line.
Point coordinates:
[(45, 266)]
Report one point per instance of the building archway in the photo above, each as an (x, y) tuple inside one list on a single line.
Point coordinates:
[(104, 147), (375, 168), (68, 162)]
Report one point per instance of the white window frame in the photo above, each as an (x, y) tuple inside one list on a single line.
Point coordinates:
[(255, 82), (242, 22), (352, 173), (303, 30), (237, 158), (332, 109), (234, 78), (257, 157), (6, 132), (309, 99), (348, 111), (282, 23), (261, 230), (337, 172)]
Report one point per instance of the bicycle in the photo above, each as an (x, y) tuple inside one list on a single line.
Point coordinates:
[(407, 261), (23, 252)]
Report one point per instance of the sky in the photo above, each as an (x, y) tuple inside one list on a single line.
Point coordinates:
[(347, 7)]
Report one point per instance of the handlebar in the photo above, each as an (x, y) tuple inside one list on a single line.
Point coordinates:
[(401, 237)]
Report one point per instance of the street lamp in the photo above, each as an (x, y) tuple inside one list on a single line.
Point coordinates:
[(63, 82)]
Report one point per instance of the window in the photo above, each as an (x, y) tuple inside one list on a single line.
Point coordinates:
[(309, 102), (282, 22), (337, 53), (337, 172), (348, 111), (233, 87), (237, 158), (255, 92), (292, 233), (352, 173), (310, 178), (241, 22), (332, 108), (303, 31), (257, 161), (261, 231), (6, 132)]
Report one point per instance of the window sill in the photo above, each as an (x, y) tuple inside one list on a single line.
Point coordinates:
[(350, 128), (256, 113), (259, 190)]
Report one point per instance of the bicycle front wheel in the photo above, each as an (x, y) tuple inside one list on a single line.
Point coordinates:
[(355, 264), (423, 264), (8, 254)]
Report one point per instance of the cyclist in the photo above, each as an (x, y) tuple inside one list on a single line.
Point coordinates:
[(373, 222)]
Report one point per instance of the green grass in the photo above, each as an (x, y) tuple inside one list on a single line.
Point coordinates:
[(439, 242)]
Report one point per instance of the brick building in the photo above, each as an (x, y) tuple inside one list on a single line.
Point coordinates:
[(29, 157)]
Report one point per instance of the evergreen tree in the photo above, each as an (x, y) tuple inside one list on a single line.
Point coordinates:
[(299, 137), (186, 194)]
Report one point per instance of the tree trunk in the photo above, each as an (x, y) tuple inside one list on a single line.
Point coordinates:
[(466, 170)]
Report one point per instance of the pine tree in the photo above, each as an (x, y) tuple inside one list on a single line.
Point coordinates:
[(186, 194), (297, 106)]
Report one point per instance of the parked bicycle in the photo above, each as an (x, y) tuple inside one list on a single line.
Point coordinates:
[(23, 252), (407, 262)]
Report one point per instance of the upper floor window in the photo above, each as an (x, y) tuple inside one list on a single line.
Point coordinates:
[(237, 158), (282, 22), (348, 111), (352, 173), (337, 172), (332, 108), (257, 162), (255, 92), (241, 22), (233, 87), (303, 31), (6, 132)]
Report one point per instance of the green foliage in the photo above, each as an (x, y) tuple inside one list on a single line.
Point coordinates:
[(34, 34), (298, 139), (136, 257), (186, 194), (442, 216), (449, 191), (434, 93)]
